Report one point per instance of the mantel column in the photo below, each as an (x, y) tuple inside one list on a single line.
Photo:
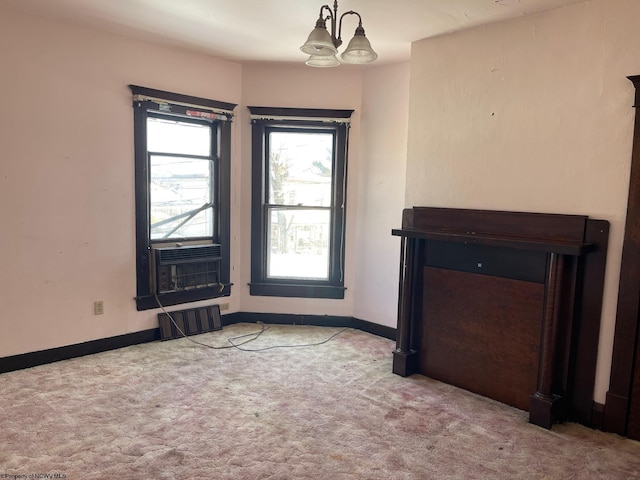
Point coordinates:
[(544, 403), (405, 359)]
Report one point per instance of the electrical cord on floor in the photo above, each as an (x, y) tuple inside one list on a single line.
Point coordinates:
[(255, 335), (239, 346)]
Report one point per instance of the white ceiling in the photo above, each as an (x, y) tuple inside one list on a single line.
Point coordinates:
[(273, 30)]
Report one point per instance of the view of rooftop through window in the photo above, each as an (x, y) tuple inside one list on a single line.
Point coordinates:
[(180, 179), (299, 200)]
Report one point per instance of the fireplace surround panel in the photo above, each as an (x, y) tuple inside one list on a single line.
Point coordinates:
[(504, 304)]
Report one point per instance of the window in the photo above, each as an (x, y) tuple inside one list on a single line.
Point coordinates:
[(181, 182), (182, 164), (298, 202)]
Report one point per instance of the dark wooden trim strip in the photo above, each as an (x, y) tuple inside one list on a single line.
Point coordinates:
[(564, 248), (147, 302), (224, 203), (374, 328), (300, 290), (33, 359), (621, 399), (597, 416), (300, 112), (544, 227), (586, 332), (42, 357), (143, 280), (181, 98), (615, 413), (318, 320)]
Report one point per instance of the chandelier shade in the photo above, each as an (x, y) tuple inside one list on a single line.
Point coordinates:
[(322, 61), (322, 44), (319, 43), (359, 49)]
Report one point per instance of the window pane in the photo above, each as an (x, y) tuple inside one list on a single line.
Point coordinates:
[(169, 136), (300, 168), (180, 194), (298, 243)]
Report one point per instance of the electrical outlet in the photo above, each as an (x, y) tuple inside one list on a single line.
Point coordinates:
[(98, 307), (224, 306)]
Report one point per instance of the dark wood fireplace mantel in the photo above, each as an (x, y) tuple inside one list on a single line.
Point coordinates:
[(504, 304)]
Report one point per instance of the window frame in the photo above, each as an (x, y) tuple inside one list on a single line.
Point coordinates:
[(214, 178), (264, 121), (150, 102)]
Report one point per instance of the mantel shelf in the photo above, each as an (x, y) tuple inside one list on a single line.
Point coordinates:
[(471, 238)]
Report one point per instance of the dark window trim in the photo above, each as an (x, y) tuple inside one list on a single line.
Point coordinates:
[(43, 357), (180, 98), (192, 108), (320, 113), (299, 119), (296, 290)]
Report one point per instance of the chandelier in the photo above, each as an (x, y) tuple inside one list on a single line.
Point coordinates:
[(322, 46)]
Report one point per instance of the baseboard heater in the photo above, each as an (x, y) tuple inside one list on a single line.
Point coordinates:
[(192, 322)]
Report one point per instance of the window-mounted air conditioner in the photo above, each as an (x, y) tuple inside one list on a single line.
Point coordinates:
[(187, 267)]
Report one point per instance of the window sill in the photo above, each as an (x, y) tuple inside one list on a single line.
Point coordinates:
[(148, 302), (296, 290)]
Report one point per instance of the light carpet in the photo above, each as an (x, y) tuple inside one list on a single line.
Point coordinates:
[(175, 410)]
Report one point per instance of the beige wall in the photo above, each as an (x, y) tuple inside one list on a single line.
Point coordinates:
[(375, 186), (67, 184), (284, 85), (533, 114), (381, 188), (66, 175)]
